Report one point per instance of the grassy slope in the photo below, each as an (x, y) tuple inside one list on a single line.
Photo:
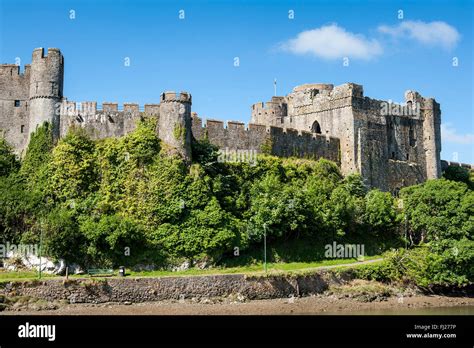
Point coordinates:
[(287, 256), (252, 269)]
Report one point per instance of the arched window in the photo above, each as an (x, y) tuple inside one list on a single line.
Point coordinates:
[(316, 128)]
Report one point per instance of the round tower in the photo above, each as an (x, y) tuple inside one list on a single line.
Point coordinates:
[(432, 137), (46, 89), (174, 126)]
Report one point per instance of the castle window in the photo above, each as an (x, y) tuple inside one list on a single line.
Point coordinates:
[(17, 103), (281, 120), (393, 155), (22, 128), (316, 128)]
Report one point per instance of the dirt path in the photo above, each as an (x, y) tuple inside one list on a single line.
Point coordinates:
[(344, 265), (306, 305)]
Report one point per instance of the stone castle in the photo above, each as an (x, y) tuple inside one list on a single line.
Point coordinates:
[(390, 145)]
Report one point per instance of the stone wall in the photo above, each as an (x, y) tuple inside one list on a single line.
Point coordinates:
[(386, 143), (293, 143), (14, 116), (402, 173), (446, 164), (328, 107), (106, 122), (134, 290), (280, 142), (370, 132)]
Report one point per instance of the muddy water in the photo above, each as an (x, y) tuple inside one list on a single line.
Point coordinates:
[(455, 310), (312, 305)]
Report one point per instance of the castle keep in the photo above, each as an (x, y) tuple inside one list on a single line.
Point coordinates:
[(390, 145)]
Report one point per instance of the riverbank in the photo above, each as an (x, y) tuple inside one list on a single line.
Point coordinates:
[(311, 305), (325, 290)]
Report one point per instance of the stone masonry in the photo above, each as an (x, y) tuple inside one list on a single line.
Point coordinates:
[(130, 289), (390, 145)]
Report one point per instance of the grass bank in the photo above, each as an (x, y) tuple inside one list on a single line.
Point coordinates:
[(257, 268)]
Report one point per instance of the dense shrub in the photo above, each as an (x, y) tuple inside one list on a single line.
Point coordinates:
[(428, 267), (8, 161), (439, 209)]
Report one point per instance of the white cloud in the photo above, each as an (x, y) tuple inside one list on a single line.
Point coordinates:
[(333, 42), (432, 33), (450, 135)]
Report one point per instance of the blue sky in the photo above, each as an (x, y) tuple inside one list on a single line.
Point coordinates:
[(386, 54)]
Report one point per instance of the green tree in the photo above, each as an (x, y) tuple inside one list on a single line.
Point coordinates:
[(354, 184), (281, 207), (19, 208), (210, 231), (439, 209), (343, 212), (61, 236), (456, 173), (380, 212), (8, 161), (38, 155), (73, 168), (112, 240)]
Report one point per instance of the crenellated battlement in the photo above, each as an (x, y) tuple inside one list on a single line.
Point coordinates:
[(52, 54), (234, 135), (237, 126), (93, 107), (152, 109), (257, 127), (100, 120), (14, 71), (171, 96), (109, 107), (9, 69)]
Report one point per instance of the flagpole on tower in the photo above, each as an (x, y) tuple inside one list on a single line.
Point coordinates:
[(275, 86)]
